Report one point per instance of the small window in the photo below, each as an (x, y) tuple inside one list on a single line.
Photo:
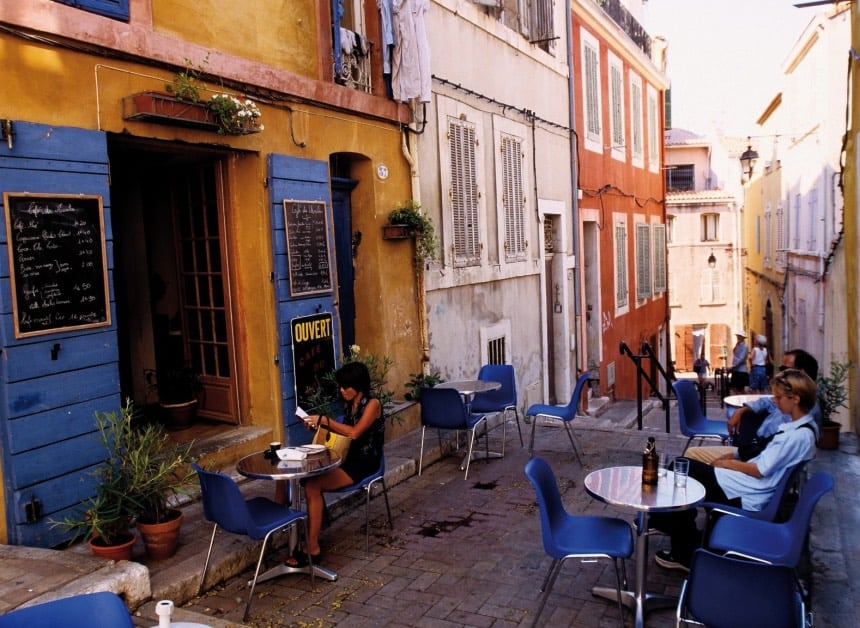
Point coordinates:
[(711, 289), (680, 178), (513, 198), (636, 119), (117, 9), (464, 192), (659, 247), (710, 227)]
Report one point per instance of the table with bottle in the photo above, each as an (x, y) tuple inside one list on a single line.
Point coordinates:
[(624, 487)]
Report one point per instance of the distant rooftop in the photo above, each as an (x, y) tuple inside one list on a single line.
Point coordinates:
[(705, 196), (682, 137)]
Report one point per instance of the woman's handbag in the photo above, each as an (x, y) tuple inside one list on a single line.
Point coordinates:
[(336, 442)]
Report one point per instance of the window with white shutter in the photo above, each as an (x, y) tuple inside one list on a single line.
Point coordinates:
[(768, 236), (654, 131), (464, 193), (781, 239), (636, 120), (620, 265), (591, 90), (643, 261), (658, 234), (513, 198), (616, 105), (711, 290)]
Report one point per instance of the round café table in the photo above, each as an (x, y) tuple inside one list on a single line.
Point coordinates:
[(622, 486), (468, 388), (260, 465)]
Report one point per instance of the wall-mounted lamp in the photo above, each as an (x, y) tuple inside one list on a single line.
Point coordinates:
[(557, 305), (712, 261), (6, 132), (748, 160)]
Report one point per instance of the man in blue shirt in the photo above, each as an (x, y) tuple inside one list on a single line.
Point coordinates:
[(748, 484), (760, 418)]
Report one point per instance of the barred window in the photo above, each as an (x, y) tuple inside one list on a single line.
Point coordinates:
[(681, 178)]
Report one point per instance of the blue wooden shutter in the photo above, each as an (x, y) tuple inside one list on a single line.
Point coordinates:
[(299, 180), (53, 383)]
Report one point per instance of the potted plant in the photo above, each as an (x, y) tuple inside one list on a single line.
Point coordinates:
[(157, 472), (105, 518), (235, 116), (413, 222), (417, 381), (178, 387), (832, 395)]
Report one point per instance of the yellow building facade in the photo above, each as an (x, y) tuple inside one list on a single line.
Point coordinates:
[(214, 244)]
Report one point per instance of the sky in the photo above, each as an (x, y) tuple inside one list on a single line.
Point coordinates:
[(725, 58)]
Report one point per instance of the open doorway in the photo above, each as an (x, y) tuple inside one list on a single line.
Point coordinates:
[(171, 275)]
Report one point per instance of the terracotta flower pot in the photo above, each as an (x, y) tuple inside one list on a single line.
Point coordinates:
[(120, 551), (161, 539)]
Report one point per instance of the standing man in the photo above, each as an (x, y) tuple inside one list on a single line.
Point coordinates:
[(740, 371)]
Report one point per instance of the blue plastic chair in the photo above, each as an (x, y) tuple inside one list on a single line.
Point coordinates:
[(443, 408), (257, 518), (91, 610), (572, 536), (725, 592), (694, 423), (502, 400), (765, 541), (367, 486), (566, 414), (771, 511)]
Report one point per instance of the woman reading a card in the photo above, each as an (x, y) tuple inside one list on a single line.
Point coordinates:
[(364, 423)]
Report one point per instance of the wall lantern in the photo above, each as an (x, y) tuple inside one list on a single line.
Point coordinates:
[(748, 160), (712, 261)]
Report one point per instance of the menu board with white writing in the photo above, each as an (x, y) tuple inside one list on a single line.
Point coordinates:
[(57, 262), (307, 247)]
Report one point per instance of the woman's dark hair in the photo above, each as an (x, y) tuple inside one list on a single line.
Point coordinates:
[(354, 375)]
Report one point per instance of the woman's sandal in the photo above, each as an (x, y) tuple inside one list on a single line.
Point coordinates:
[(299, 559)]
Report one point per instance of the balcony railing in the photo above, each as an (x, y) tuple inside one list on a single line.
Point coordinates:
[(352, 60), (629, 24)]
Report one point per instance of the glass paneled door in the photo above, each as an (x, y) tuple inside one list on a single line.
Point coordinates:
[(197, 196)]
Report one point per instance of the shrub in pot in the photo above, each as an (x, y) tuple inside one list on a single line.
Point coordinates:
[(832, 395)]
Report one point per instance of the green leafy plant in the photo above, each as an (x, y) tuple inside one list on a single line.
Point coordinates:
[(186, 85), (326, 399), (417, 381), (235, 116), (833, 390), (419, 223), (141, 473)]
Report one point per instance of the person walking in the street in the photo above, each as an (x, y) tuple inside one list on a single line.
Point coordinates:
[(740, 371), (758, 366), (700, 367)]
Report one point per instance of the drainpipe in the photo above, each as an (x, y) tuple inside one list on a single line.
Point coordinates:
[(409, 148), (574, 184)]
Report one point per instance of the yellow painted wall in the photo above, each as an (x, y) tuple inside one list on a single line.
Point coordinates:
[(267, 31)]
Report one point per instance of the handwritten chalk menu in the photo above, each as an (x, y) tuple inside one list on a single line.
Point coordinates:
[(307, 247), (58, 268), (313, 354)]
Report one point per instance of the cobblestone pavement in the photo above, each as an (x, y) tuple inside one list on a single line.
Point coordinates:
[(468, 553)]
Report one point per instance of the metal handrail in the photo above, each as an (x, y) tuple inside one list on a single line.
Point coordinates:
[(646, 352)]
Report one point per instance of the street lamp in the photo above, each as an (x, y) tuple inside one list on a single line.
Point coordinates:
[(712, 261), (748, 159)]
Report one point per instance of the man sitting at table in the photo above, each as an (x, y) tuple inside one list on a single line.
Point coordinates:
[(749, 484), (758, 420)]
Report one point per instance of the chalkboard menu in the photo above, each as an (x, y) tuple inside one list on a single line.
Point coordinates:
[(307, 247), (313, 354), (58, 268)]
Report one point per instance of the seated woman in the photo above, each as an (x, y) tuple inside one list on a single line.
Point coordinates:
[(364, 423), (750, 484)]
